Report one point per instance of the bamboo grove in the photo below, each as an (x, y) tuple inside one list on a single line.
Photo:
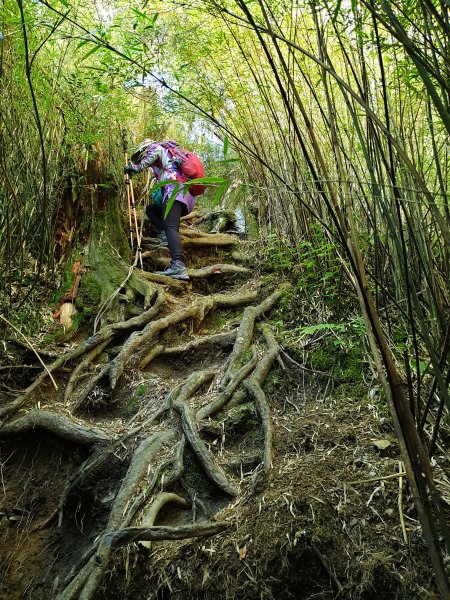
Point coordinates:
[(339, 115)]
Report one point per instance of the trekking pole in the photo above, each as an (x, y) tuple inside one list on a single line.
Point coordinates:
[(127, 184), (131, 204)]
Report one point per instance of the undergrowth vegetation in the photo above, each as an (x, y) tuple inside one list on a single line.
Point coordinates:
[(329, 123)]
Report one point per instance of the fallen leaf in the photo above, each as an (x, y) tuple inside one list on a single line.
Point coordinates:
[(242, 553), (382, 444)]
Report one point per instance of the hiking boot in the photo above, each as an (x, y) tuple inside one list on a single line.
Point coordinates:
[(162, 239), (176, 270)]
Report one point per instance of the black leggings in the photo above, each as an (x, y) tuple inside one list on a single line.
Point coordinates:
[(171, 225)]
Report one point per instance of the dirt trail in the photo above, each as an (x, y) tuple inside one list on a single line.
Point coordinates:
[(161, 430)]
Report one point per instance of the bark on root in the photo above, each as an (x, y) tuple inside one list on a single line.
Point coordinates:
[(85, 584), (88, 389), (82, 366), (154, 353), (58, 425), (214, 270), (155, 507), (245, 332), (159, 533), (264, 412), (105, 334), (219, 339), (208, 240), (196, 310), (95, 462), (263, 367), (219, 402), (213, 471)]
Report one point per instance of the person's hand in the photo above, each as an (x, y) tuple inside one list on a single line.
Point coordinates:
[(130, 170)]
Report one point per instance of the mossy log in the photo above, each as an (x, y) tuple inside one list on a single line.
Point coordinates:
[(59, 425)]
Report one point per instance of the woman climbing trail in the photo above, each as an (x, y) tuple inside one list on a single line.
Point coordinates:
[(207, 410), (169, 163)]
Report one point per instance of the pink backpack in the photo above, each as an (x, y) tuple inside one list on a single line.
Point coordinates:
[(190, 166)]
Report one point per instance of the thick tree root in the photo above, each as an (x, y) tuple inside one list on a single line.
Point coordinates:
[(88, 389), (263, 368), (207, 240), (245, 333), (154, 353), (107, 333), (56, 424), (219, 339), (193, 383), (219, 402), (162, 279), (153, 510), (214, 472), (214, 270), (159, 533), (197, 310), (190, 386), (82, 366), (264, 412), (192, 216), (142, 459)]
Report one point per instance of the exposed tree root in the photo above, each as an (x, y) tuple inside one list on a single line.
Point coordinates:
[(214, 472), (153, 256), (58, 425), (152, 512), (263, 368), (88, 389), (93, 463), (158, 533), (107, 333), (245, 333), (82, 366), (213, 270), (192, 216), (169, 281), (142, 459), (219, 339), (154, 353), (196, 310), (191, 385), (157, 466), (193, 240), (219, 402), (264, 412)]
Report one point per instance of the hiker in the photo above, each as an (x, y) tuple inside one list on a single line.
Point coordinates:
[(168, 162)]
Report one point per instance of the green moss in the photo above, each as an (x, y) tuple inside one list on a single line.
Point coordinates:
[(133, 403)]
